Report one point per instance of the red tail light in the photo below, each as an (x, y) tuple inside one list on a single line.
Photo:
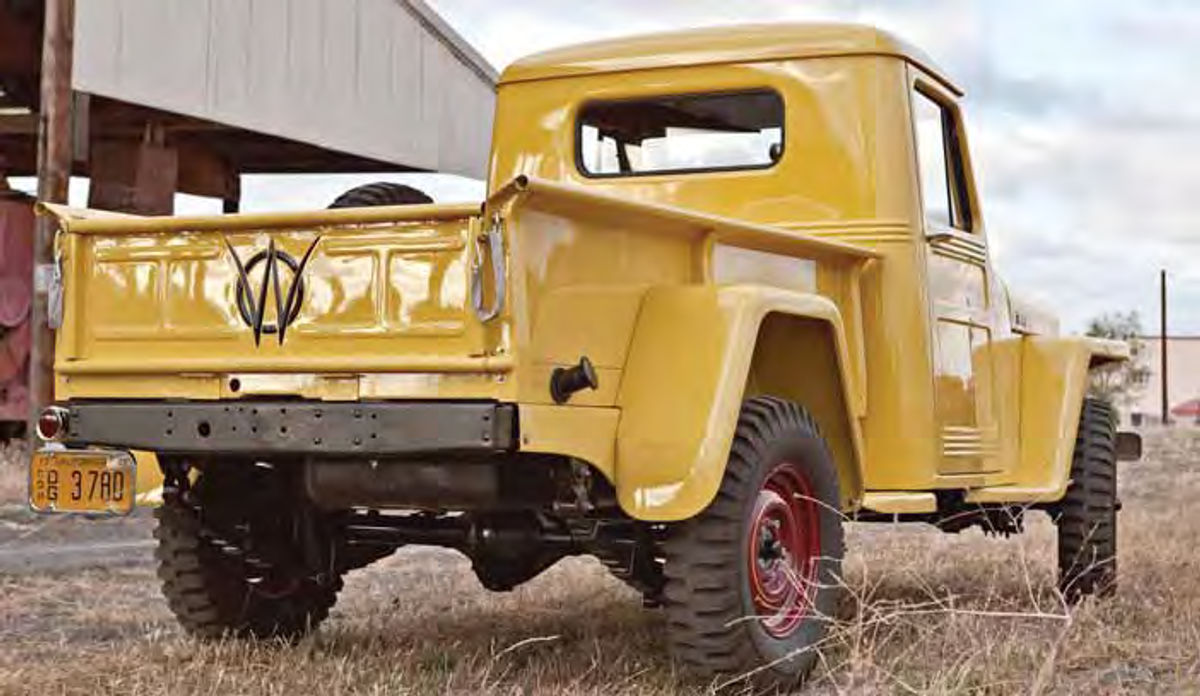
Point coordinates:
[(52, 424)]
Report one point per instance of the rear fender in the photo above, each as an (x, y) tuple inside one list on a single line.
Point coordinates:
[(697, 353)]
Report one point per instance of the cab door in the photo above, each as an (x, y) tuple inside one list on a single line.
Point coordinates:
[(958, 283)]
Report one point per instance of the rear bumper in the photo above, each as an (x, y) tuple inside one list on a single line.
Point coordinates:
[(295, 427)]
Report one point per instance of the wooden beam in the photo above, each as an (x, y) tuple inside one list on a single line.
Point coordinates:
[(19, 49), (54, 178), (203, 172), (81, 127), (21, 153), (18, 124), (131, 176)]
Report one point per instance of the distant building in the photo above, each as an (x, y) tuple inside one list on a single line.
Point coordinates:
[(1183, 387)]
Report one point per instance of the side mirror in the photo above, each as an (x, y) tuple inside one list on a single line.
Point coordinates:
[(775, 152)]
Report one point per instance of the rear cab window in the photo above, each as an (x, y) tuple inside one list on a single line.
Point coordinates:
[(679, 134)]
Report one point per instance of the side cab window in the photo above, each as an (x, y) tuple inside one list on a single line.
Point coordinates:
[(944, 191)]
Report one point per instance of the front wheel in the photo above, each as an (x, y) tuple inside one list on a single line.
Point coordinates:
[(753, 581), (1087, 515)]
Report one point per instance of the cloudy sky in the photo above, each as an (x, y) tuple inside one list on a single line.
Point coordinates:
[(1083, 115)]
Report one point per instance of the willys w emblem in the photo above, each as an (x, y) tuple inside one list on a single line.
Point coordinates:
[(252, 302)]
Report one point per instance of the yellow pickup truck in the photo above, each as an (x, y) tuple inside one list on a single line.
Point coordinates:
[(729, 289)]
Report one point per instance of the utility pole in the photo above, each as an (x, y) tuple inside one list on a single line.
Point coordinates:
[(1162, 343), (55, 155)]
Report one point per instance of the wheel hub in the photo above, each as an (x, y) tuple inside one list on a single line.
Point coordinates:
[(785, 546)]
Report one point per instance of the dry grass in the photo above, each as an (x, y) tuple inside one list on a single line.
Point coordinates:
[(13, 474), (927, 613)]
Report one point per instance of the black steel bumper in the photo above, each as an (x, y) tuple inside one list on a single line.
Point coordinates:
[(295, 427)]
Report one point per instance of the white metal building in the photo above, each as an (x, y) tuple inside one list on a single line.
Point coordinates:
[(385, 80)]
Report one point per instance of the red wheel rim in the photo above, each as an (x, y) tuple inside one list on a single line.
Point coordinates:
[(275, 587), (785, 548)]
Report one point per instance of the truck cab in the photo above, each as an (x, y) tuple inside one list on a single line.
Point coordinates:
[(729, 288)]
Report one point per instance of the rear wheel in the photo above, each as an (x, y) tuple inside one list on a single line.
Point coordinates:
[(215, 555), (381, 193), (1087, 515), (753, 581)]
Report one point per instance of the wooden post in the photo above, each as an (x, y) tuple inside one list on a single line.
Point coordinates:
[(54, 177), (1162, 333)]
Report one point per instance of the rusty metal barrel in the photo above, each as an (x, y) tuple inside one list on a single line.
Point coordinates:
[(16, 296)]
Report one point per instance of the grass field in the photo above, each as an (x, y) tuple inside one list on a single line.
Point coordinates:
[(925, 613), (13, 477)]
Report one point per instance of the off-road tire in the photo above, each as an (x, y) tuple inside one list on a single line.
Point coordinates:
[(711, 629), (210, 592), (1087, 515), (381, 193)]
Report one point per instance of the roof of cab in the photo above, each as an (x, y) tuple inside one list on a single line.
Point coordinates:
[(747, 43)]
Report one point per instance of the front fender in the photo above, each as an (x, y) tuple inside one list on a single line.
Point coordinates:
[(1054, 383), (684, 383)]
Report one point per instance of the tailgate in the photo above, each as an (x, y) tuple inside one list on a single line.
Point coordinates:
[(361, 290)]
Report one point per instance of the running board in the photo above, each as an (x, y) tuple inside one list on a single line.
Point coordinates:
[(900, 502)]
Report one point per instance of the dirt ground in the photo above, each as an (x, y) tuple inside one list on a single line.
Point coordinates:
[(925, 613)]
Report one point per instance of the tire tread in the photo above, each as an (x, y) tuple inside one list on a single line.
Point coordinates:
[(701, 597), (1086, 516), (211, 600)]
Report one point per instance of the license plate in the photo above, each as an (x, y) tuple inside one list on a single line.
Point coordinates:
[(83, 481)]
